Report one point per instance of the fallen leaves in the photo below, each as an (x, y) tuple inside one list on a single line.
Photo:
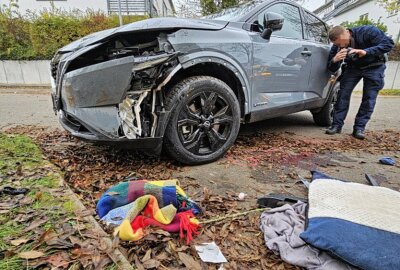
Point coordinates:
[(32, 254), (90, 170), (36, 224), (188, 261), (282, 149), (19, 241), (59, 260), (42, 227)]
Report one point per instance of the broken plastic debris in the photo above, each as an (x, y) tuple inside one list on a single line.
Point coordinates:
[(241, 196), (387, 161), (210, 252)]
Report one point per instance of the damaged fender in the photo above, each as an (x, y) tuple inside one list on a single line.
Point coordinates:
[(102, 97)]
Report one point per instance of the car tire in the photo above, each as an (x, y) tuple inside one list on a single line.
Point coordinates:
[(204, 120), (324, 117)]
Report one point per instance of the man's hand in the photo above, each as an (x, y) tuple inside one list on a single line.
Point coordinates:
[(360, 53), (340, 56)]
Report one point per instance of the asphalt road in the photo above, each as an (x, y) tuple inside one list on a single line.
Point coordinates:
[(36, 109)]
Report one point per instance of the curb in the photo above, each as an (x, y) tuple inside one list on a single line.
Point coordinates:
[(24, 90), (114, 253)]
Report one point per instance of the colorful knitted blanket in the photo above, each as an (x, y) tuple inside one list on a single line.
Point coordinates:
[(138, 204)]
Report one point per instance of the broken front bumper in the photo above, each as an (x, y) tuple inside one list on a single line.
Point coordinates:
[(90, 102), (77, 129)]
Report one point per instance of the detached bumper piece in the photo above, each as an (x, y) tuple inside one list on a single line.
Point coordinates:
[(79, 130)]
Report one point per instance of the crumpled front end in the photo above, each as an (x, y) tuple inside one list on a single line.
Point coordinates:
[(111, 91)]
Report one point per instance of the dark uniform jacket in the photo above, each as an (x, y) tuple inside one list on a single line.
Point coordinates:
[(369, 38)]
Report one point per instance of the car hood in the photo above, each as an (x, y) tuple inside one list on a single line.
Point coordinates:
[(146, 25)]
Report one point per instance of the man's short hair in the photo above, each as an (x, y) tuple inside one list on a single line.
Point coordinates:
[(335, 32)]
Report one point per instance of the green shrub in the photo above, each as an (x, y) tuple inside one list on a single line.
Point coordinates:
[(50, 32), (39, 35), (14, 33), (365, 21)]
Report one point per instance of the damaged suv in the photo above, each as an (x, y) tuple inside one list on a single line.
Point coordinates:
[(188, 84)]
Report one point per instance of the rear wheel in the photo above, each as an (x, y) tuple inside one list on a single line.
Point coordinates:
[(204, 121), (324, 117)]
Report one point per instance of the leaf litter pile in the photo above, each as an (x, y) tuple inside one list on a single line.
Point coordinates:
[(90, 170), (41, 224)]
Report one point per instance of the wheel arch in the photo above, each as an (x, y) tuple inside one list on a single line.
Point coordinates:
[(219, 67)]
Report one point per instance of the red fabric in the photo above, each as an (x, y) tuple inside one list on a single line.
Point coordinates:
[(186, 225), (181, 223)]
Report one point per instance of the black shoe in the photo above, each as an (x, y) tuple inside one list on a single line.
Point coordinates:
[(333, 130), (359, 134)]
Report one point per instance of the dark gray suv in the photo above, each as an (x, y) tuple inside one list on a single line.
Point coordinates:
[(187, 84)]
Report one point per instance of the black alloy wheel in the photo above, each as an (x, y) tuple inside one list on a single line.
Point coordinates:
[(204, 121)]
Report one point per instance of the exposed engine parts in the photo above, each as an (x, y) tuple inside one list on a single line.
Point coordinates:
[(129, 112), (139, 110)]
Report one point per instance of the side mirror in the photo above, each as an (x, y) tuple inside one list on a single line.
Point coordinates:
[(272, 22)]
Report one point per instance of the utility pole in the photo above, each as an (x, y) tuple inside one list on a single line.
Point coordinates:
[(120, 13), (150, 9)]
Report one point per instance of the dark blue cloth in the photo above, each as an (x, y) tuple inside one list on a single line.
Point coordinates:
[(320, 175), (373, 82), (362, 246), (369, 38)]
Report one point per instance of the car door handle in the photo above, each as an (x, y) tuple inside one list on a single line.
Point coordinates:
[(306, 53)]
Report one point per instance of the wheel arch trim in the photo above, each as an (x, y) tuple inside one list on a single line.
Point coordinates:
[(196, 58)]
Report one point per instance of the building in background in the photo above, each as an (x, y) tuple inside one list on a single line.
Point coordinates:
[(153, 8), (335, 12)]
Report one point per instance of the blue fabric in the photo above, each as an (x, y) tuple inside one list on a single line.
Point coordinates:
[(108, 202), (320, 175), (387, 161), (169, 196), (361, 246), (373, 82), (117, 215)]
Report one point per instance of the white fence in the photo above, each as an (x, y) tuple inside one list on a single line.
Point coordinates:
[(37, 73)]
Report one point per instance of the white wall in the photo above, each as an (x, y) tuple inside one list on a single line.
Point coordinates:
[(25, 73), (37, 73), (33, 5), (375, 11)]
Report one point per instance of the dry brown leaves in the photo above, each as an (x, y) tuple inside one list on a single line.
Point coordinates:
[(90, 170), (239, 239), (286, 149)]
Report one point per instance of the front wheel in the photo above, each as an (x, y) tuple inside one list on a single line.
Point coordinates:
[(204, 120), (324, 117)]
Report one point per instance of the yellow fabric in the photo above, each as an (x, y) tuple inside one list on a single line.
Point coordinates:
[(126, 233), (164, 215), (172, 182), (194, 221)]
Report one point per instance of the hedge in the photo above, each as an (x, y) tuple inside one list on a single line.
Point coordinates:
[(37, 36)]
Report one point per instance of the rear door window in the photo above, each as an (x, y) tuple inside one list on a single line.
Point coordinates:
[(292, 27), (316, 30)]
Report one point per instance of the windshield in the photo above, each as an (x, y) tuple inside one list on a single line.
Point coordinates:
[(234, 13)]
